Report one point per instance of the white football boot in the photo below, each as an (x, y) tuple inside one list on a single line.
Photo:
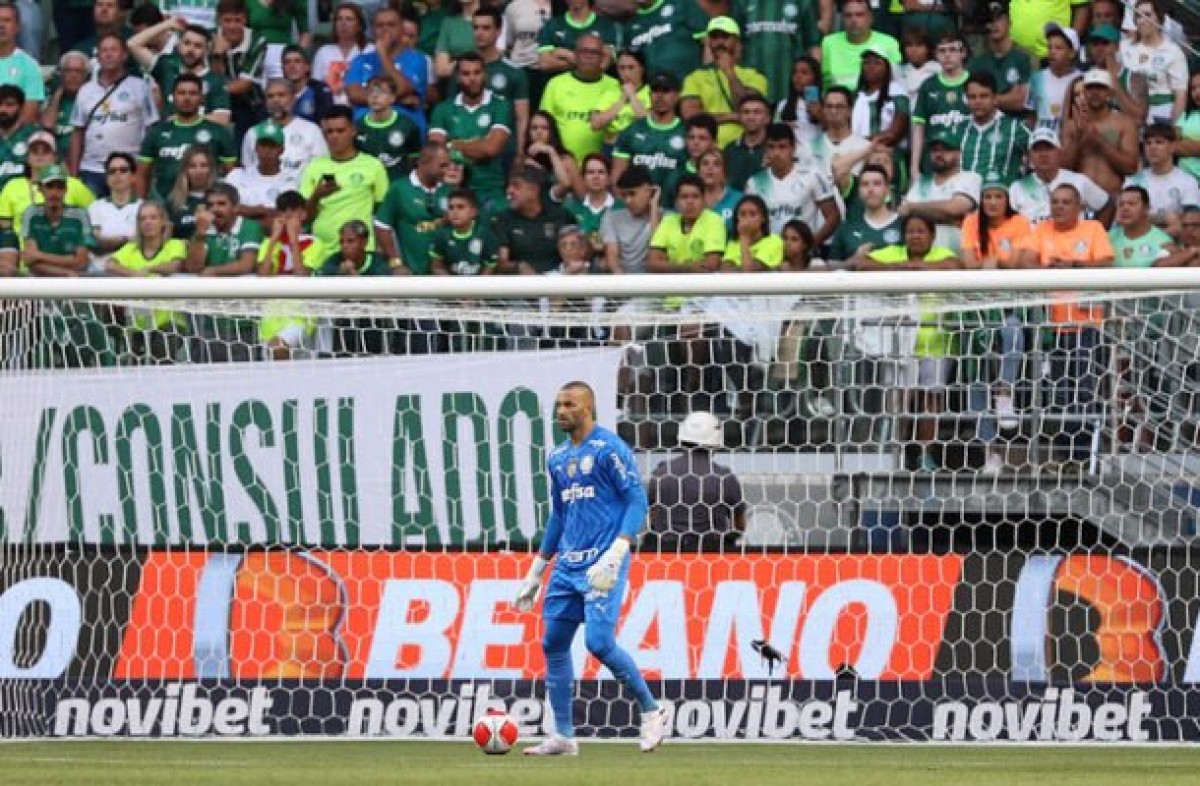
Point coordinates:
[(554, 745), (654, 726)]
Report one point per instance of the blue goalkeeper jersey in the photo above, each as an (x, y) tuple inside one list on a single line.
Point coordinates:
[(591, 487)]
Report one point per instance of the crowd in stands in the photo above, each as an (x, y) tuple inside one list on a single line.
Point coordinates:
[(530, 137)]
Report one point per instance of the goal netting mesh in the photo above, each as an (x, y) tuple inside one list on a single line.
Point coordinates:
[(956, 517)]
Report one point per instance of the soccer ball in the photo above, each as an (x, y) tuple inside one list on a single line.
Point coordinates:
[(495, 733)]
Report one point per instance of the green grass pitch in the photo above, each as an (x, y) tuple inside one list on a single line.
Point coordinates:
[(368, 763)]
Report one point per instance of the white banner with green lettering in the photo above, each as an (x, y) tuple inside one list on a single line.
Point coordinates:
[(393, 451)]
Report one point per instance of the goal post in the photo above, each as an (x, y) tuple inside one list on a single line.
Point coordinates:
[(258, 507)]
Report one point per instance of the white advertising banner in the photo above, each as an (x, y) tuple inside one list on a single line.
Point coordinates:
[(446, 449)]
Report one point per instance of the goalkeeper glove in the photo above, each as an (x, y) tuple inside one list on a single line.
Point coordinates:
[(528, 593), (602, 576)]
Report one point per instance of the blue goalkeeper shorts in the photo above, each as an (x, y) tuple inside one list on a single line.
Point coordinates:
[(570, 598)]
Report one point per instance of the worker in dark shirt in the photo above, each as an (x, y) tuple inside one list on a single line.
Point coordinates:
[(695, 503)]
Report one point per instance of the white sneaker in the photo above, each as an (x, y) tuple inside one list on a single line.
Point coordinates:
[(654, 726), (994, 464), (554, 745), (1006, 414)]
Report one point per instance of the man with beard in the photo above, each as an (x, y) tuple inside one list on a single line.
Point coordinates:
[(947, 195), (503, 78), (225, 244), (303, 140), (717, 88), (166, 142), (14, 133), (112, 113), (476, 124), (58, 238), (528, 230), (656, 142), (190, 56), (18, 67), (1097, 141)]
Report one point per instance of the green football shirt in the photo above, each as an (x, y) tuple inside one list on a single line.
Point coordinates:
[(13, 149), (995, 151), (465, 253), (224, 248), (856, 230), (1014, 68), (660, 148), (165, 143), (167, 69), (414, 213), (455, 120), (668, 34), (532, 240), (392, 141), (561, 32), (72, 230), (775, 34)]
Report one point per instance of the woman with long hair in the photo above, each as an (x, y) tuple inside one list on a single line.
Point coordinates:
[(1188, 126), (881, 109), (151, 252), (544, 148), (752, 247), (991, 239), (596, 200), (1160, 60), (349, 40), (798, 248), (634, 102), (802, 108), (198, 172), (718, 196)]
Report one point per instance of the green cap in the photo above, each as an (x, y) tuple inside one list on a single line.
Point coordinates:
[(53, 174), (457, 157), (992, 184), (268, 132), (724, 24), (1105, 32), (945, 139)]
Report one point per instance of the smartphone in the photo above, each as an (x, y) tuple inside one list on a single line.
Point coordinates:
[(329, 180), (812, 94)]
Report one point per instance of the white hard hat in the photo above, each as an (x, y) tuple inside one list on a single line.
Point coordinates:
[(702, 429)]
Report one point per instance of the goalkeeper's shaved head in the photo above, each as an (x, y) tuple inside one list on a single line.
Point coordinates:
[(575, 408)]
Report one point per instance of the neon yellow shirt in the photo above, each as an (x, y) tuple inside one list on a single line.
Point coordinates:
[(712, 88), (707, 236), (131, 256), (768, 250), (571, 102), (1029, 18), (932, 340)]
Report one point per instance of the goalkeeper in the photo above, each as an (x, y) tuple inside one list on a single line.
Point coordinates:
[(598, 506)]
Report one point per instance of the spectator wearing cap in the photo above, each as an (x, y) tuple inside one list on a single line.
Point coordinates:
[(946, 195), (941, 105), (658, 142), (994, 144), (841, 53), (528, 229), (696, 504), (303, 140), (1009, 65), (1160, 60), (1170, 188), (260, 185), (1129, 88), (1031, 20), (718, 87), (1099, 141), (1049, 89), (312, 97), (571, 98), (58, 239), (1031, 194), (19, 193)]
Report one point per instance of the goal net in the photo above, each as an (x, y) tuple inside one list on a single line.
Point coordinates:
[(954, 516)]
